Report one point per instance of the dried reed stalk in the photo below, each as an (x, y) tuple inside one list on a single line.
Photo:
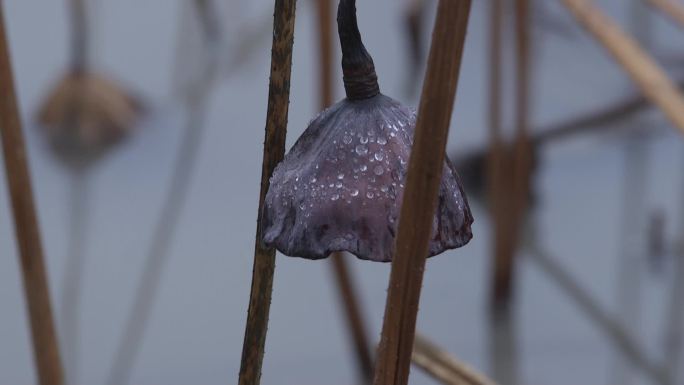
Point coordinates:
[(274, 151), (36, 289), (643, 70), (523, 149), (510, 207), (343, 278), (495, 145), (414, 22), (517, 178), (497, 178), (671, 9), (444, 367), (420, 196)]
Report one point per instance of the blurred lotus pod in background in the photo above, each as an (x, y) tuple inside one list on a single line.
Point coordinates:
[(86, 115)]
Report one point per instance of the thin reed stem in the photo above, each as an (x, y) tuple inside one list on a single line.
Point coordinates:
[(274, 151), (324, 16), (522, 160), (444, 367), (494, 102), (517, 178), (420, 196), (643, 70), (497, 178), (36, 288)]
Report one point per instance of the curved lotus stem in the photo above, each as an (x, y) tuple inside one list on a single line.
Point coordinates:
[(360, 80)]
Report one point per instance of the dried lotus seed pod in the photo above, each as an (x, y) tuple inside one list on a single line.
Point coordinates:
[(341, 185)]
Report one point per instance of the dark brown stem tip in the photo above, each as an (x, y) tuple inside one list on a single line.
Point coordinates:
[(360, 80)]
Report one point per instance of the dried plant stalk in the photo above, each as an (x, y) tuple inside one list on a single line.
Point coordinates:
[(522, 163), (672, 9), (643, 70), (497, 178), (36, 289), (420, 195), (444, 367), (517, 179), (274, 150)]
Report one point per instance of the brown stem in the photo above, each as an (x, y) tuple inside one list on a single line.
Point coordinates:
[(36, 289), (325, 47), (498, 179), (274, 151), (495, 145), (518, 173), (521, 175), (420, 196)]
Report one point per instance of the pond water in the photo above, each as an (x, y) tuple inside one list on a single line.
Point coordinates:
[(197, 322)]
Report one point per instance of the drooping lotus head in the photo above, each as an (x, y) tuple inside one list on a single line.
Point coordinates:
[(340, 187)]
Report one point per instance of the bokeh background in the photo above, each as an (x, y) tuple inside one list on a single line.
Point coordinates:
[(582, 192)]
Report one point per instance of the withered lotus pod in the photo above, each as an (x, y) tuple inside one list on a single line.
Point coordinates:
[(341, 185), (85, 116)]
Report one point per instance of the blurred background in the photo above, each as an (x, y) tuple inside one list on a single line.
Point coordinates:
[(163, 182)]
